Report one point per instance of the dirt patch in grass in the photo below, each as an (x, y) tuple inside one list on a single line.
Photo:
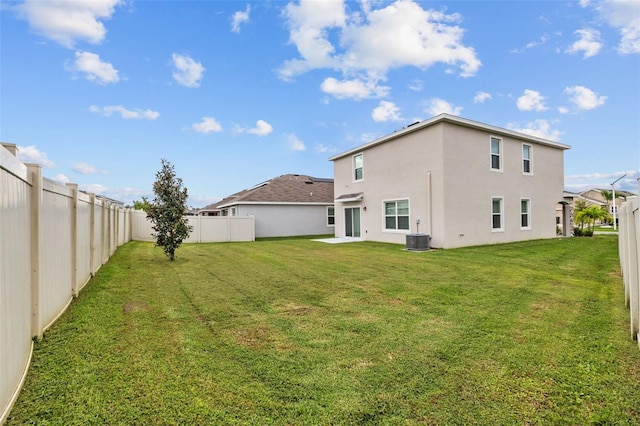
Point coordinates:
[(135, 306)]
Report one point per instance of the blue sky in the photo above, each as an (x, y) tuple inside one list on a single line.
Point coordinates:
[(234, 93)]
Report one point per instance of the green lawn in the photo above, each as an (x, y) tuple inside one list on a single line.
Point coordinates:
[(293, 332)]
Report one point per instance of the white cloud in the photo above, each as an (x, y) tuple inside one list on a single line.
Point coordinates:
[(584, 182), (543, 40), (386, 111), (31, 154), (588, 42), (295, 143), (563, 110), (539, 128), (354, 89), (416, 85), (481, 97), (60, 179), (96, 188), (86, 169), (66, 22), (187, 72), (321, 148), (625, 16), (531, 101), (240, 18), (584, 98), (207, 125), (94, 69), (370, 42), (262, 128), (437, 106), (125, 113)]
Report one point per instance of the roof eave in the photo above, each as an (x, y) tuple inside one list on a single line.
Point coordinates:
[(451, 119)]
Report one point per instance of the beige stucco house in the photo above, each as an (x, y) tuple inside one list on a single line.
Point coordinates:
[(461, 182), (287, 205)]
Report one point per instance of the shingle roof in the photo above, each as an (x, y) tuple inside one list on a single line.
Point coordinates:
[(290, 188)]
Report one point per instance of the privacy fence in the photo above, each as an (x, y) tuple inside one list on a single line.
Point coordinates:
[(53, 239), (629, 248)]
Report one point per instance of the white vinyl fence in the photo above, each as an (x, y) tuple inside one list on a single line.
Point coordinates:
[(629, 249), (206, 229), (53, 239)]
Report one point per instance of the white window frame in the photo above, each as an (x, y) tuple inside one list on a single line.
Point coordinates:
[(384, 215), (354, 168), (528, 213), (499, 154), (331, 225), (501, 213), (530, 159)]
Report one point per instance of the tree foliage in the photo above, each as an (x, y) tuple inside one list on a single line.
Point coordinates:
[(168, 210), (141, 205), (590, 215)]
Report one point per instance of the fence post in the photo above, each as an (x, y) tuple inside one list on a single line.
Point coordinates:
[(631, 234), (74, 239), (35, 175)]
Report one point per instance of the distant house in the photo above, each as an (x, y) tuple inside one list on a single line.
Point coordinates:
[(287, 205), (595, 194), (461, 182)]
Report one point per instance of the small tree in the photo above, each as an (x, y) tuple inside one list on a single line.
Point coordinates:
[(168, 210)]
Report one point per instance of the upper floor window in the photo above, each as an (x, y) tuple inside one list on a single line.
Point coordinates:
[(497, 213), (527, 152), (331, 216), (358, 167), (396, 215), (525, 213), (496, 154)]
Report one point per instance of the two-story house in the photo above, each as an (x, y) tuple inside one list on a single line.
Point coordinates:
[(461, 182)]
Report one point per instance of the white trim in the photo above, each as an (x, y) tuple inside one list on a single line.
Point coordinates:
[(502, 227), (500, 154), (528, 227), (455, 120), (329, 225), (272, 203), (384, 216), (357, 197), (353, 167), (530, 159)]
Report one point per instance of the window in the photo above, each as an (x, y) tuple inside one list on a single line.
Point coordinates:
[(331, 216), (496, 214), (396, 215), (358, 167), (496, 154), (526, 159), (525, 213)]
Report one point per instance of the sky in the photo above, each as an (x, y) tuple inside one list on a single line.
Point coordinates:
[(234, 93)]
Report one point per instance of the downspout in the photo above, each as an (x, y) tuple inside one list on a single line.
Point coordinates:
[(429, 207)]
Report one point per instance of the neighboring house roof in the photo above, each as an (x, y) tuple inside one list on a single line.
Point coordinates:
[(285, 189), (454, 120)]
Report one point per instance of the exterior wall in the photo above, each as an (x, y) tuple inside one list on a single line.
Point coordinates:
[(399, 169), (444, 170), (285, 220), (470, 185)]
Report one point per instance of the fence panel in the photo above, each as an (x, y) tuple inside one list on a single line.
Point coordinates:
[(15, 279), (629, 250), (55, 237), (96, 247), (83, 241)]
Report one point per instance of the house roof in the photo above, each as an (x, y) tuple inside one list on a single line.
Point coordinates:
[(285, 189), (447, 118)]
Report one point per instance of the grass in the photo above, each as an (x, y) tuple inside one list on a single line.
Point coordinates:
[(299, 332)]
